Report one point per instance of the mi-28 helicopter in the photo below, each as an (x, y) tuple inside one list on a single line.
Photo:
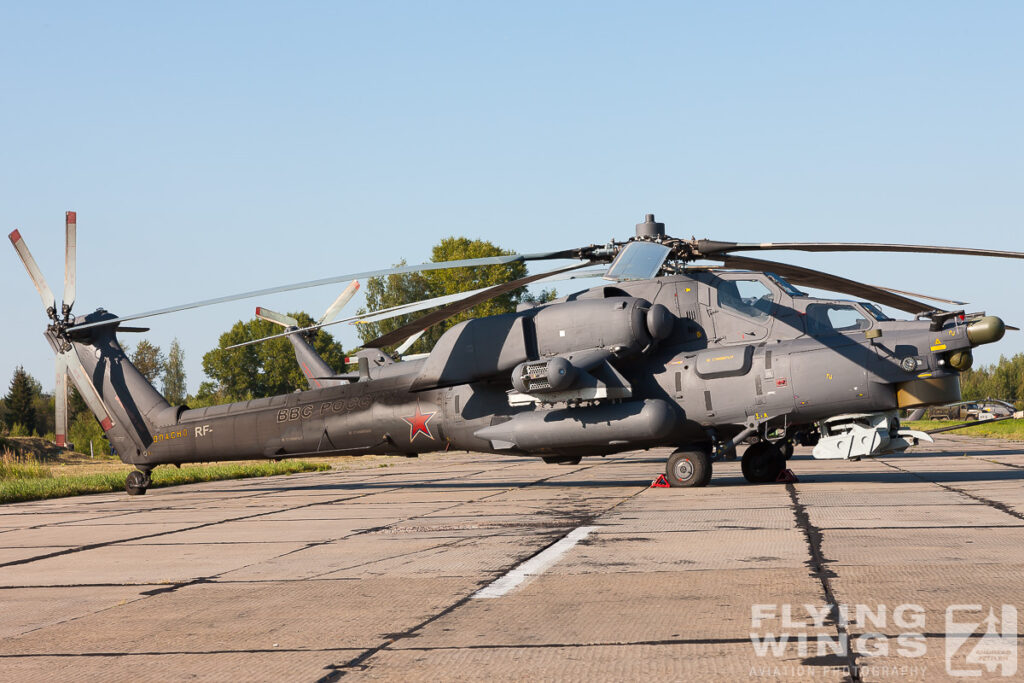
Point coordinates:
[(663, 354)]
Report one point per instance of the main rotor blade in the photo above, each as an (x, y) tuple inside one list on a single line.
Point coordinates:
[(437, 316), (925, 296), (85, 387), (407, 344), (33, 271), (70, 253), (372, 316), (60, 403), (711, 247), (799, 275), (441, 265), (340, 303)]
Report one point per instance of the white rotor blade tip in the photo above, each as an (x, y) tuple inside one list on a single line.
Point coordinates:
[(334, 309)]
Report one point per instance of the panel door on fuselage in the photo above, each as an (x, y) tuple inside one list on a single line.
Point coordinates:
[(830, 367)]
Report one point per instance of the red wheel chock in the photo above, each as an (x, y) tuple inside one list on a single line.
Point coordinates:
[(787, 477), (660, 483)]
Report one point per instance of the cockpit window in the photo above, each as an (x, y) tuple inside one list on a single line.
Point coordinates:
[(874, 311), (748, 297), (831, 318), (786, 287)]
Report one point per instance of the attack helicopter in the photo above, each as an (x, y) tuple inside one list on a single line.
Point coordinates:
[(665, 353)]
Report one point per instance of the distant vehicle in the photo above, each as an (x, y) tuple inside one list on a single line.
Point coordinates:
[(989, 409)]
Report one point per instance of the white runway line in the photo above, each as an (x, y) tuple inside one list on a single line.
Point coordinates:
[(535, 566)]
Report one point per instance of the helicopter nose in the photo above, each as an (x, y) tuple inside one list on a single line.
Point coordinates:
[(985, 331)]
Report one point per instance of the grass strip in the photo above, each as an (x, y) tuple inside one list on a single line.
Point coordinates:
[(16, 489), (1008, 429)]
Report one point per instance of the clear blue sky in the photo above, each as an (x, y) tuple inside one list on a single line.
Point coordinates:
[(217, 147)]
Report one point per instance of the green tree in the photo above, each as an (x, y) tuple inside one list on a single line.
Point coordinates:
[(209, 394), (85, 429), (20, 400), (149, 360), (1008, 378), (45, 418), (1003, 380), (399, 289), (264, 369), (76, 405), (174, 375)]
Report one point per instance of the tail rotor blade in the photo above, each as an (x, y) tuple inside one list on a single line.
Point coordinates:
[(275, 317), (33, 271), (88, 392), (340, 303), (60, 402), (70, 254)]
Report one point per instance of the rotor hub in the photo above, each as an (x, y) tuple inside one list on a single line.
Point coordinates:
[(650, 229)]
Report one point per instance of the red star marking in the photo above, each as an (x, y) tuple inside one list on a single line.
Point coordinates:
[(418, 424)]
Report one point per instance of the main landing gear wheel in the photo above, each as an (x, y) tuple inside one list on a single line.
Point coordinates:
[(136, 483), (763, 463), (686, 468)]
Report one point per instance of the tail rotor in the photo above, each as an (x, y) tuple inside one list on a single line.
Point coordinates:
[(58, 332)]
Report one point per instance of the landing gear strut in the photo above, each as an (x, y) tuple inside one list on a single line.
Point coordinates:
[(689, 467), (137, 482)]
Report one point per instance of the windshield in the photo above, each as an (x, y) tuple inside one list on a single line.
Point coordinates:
[(874, 311), (786, 287)]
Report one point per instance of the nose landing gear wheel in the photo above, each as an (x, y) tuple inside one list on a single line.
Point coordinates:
[(136, 483), (688, 468), (762, 463)]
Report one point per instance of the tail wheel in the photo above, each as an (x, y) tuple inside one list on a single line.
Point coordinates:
[(136, 483), (762, 463), (688, 468)]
